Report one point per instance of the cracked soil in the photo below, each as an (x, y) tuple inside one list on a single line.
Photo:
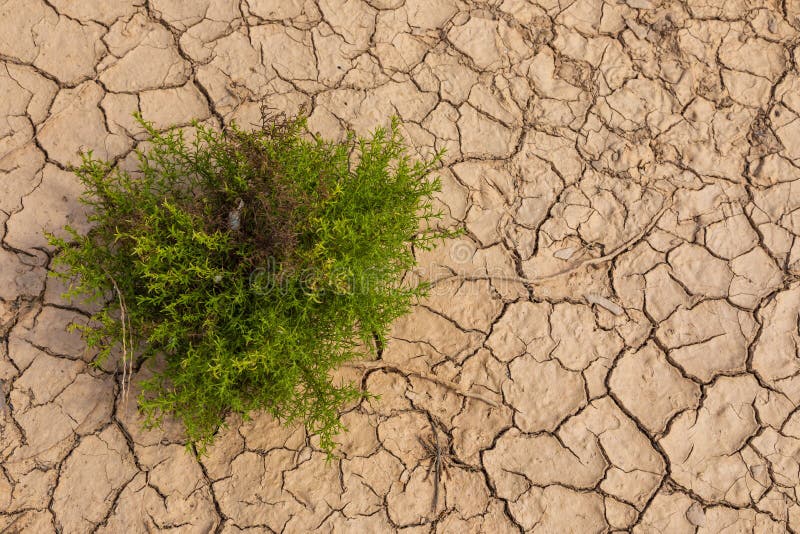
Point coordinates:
[(621, 319)]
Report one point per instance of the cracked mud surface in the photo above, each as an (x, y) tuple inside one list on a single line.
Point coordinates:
[(627, 296)]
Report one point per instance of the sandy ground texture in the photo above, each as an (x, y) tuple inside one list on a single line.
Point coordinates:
[(620, 321)]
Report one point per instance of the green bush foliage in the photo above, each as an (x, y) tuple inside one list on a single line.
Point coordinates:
[(251, 264)]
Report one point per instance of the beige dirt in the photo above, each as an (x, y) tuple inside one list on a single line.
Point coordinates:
[(614, 341)]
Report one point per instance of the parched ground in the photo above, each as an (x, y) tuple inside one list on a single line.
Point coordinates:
[(620, 320)]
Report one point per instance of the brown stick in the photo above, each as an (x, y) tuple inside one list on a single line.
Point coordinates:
[(624, 247), (437, 469), (420, 374), (126, 373)]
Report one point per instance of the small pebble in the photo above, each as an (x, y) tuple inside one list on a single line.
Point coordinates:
[(603, 302), (565, 253)]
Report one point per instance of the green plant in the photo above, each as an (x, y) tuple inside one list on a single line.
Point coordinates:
[(254, 262)]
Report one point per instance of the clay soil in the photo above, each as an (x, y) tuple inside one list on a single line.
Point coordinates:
[(614, 340)]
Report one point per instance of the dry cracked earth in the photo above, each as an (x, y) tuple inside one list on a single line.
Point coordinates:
[(615, 337)]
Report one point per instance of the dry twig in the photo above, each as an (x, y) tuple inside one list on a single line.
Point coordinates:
[(439, 463), (574, 266), (378, 364), (127, 335)]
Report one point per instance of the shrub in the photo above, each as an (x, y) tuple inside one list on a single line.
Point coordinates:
[(252, 263)]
